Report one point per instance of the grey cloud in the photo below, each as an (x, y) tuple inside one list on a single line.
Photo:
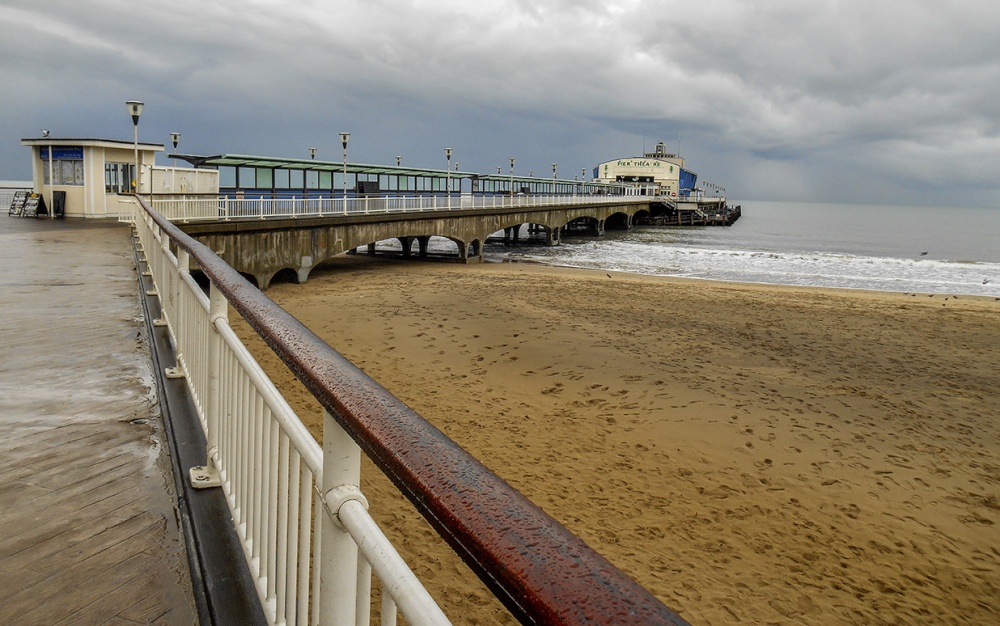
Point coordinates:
[(772, 96)]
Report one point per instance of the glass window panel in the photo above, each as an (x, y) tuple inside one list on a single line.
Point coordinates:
[(248, 177), (227, 176), (312, 179), (281, 179), (325, 180), (296, 179), (265, 178), (65, 175)]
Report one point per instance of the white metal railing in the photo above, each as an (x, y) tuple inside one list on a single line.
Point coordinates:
[(211, 208), (294, 504)]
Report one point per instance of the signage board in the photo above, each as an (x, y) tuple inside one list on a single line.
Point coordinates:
[(68, 153)]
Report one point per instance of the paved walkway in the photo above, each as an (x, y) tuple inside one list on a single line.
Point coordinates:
[(88, 529)]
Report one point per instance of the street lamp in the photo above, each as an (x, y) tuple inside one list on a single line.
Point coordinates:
[(447, 185), (344, 138), (511, 176), (174, 138), (399, 161), (312, 153), (135, 110), (554, 166), (583, 177)]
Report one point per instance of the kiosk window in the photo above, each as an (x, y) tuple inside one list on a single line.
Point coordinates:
[(64, 171), (118, 177)]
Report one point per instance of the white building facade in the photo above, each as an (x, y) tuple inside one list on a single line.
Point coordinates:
[(90, 173), (658, 171)]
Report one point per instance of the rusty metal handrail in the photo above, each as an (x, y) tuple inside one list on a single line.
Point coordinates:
[(536, 567)]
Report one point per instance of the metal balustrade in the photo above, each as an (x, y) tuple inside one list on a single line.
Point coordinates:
[(202, 208), (309, 542), (272, 470)]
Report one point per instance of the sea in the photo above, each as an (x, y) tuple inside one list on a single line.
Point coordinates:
[(941, 250)]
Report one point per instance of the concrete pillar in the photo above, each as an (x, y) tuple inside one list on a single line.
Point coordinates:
[(552, 237), (263, 280), (371, 248), (405, 242), (600, 227), (422, 244), (302, 274)]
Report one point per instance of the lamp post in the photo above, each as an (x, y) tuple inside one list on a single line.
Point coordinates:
[(52, 182), (174, 139), (312, 153), (512, 176), (344, 138), (399, 161), (583, 177), (447, 184), (135, 110)]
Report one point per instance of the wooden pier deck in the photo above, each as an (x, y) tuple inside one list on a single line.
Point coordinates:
[(88, 529)]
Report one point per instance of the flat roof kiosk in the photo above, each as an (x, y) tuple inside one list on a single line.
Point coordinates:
[(89, 173)]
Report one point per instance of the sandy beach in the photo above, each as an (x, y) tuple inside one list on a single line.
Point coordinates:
[(749, 454)]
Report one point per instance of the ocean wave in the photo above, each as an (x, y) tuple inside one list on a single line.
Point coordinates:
[(816, 269)]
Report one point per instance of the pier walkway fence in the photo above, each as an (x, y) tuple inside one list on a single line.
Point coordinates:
[(194, 208), (310, 545)]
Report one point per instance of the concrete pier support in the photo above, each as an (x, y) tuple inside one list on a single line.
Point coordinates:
[(406, 242), (422, 244), (552, 236), (511, 235)]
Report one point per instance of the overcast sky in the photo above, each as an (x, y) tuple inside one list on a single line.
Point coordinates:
[(868, 101)]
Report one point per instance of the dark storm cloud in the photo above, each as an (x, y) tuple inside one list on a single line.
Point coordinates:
[(849, 100)]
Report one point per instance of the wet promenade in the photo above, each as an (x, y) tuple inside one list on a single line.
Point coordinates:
[(88, 530)]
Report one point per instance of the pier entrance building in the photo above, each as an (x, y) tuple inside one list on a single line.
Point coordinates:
[(654, 173)]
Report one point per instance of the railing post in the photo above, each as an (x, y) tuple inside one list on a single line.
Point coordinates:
[(338, 572), (207, 476)]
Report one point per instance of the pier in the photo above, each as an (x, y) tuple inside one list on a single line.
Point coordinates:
[(261, 237), (703, 212), (87, 499)]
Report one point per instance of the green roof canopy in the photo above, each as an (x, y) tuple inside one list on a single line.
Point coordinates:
[(237, 160)]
